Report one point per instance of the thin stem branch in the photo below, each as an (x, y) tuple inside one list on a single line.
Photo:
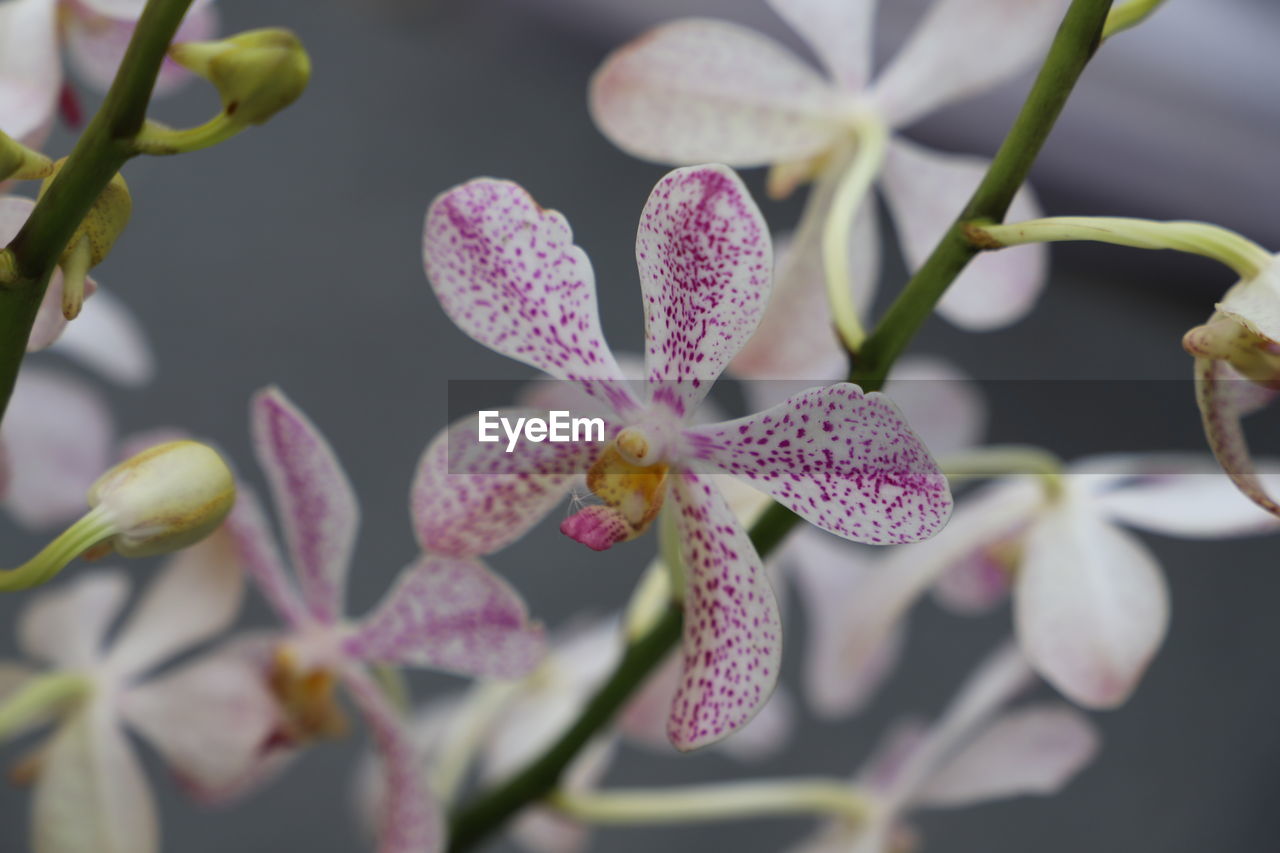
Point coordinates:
[(769, 798), (103, 148), (1072, 48)]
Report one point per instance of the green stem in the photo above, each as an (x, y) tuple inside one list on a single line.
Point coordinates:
[(36, 697), (1004, 460), (90, 530), (103, 148), (772, 798), (1071, 51), (1072, 48)]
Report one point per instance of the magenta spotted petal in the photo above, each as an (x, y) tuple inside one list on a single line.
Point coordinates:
[(705, 261), (452, 614), (843, 460), (507, 272), (471, 498), (732, 630)]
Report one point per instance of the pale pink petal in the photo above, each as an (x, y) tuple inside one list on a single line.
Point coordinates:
[(1185, 496), (471, 498), (732, 630), (50, 323), (108, 338), (546, 831), (705, 262), (91, 795), (58, 434), (844, 461), (1224, 398), (797, 339), (96, 43), (696, 90), (30, 68), (943, 404), (1034, 750), (962, 48), (840, 33), (453, 614), (981, 580), (644, 718), (196, 597), (410, 821), (313, 498), (66, 625), (1090, 604), (507, 272), (14, 211), (211, 720), (840, 674), (926, 190), (261, 558)]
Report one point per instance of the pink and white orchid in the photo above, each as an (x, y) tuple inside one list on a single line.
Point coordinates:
[(94, 33), (509, 275), (205, 718), (977, 752), (1090, 603), (446, 611), (697, 89)]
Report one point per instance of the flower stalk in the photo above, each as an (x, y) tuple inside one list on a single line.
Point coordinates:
[(828, 797)]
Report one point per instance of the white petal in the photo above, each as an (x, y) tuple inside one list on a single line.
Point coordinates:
[(66, 625), (839, 31), (91, 796), (30, 69), (108, 338), (195, 597), (1090, 604), (945, 406), (962, 48), (1029, 751), (57, 434), (926, 190)]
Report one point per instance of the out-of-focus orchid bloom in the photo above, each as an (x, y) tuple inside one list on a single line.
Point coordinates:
[(205, 718), (1090, 603), (1238, 372), (696, 90), (977, 752), (446, 611), (509, 724), (94, 33), (507, 272)]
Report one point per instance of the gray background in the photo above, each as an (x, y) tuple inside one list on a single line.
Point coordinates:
[(291, 255)]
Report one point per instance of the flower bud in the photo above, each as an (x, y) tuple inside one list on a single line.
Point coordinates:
[(165, 498), (105, 221), (257, 73)]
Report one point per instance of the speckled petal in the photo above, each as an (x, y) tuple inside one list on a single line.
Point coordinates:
[(843, 460), (840, 33), (926, 190), (91, 795), (1035, 750), (471, 498), (1224, 397), (453, 614), (1090, 605), (211, 720), (58, 434), (30, 68), (962, 48), (507, 272), (732, 630), (698, 90), (705, 260), (317, 508), (410, 819), (260, 555)]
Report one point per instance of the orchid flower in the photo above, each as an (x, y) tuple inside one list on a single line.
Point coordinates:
[(1090, 603), (695, 90), (1237, 371), (508, 274), (977, 752), (446, 611), (94, 33), (204, 718)]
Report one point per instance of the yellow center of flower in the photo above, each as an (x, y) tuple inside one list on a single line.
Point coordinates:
[(629, 480), (306, 697)]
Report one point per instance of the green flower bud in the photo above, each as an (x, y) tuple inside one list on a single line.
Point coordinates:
[(257, 73)]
